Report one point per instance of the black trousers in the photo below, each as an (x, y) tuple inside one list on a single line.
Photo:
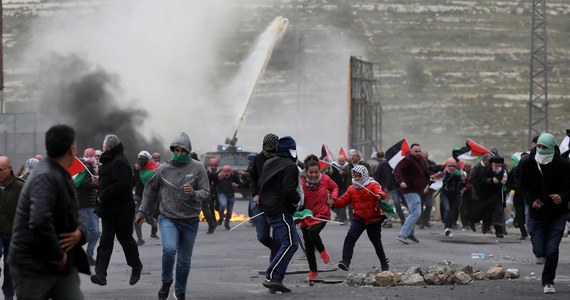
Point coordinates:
[(121, 226), (374, 231), (520, 216), (208, 211), (313, 241)]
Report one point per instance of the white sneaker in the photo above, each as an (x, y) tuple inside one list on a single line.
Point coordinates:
[(549, 289), (540, 260), (448, 232)]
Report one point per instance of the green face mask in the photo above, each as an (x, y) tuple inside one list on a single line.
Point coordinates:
[(544, 151), (181, 158)]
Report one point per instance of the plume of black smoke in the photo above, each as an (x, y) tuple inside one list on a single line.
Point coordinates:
[(86, 97)]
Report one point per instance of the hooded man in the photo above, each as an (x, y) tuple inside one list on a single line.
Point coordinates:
[(262, 228), (182, 184), (544, 179), (278, 198)]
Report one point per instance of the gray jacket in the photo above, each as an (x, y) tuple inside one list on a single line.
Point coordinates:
[(169, 180)]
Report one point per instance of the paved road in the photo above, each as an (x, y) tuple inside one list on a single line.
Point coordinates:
[(226, 265)]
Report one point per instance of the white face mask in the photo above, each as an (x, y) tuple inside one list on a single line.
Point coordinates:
[(543, 159)]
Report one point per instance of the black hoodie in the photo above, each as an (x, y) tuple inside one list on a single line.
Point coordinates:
[(115, 193), (278, 185)]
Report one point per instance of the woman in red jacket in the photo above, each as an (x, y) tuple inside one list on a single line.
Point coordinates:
[(364, 194), (318, 188)]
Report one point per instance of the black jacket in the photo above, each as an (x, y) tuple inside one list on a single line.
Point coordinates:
[(46, 208), (87, 189), (115, 193), (554, 179), (385, 176), (257, 169), (278, 186)]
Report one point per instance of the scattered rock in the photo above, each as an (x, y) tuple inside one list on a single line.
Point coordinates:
[(479, 275), (461, 278), (355, 279), (370, 278), (512, 273), (442, 273), (414, 280), (496, 272), (467, 269), (386, 278)]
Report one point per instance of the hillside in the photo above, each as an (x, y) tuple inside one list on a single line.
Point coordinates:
[(448, 69)]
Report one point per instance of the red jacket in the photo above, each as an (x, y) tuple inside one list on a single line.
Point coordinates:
[(364, 203), (316, 199)]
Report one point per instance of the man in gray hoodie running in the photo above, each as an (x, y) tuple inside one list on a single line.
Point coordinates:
[(182, 184)]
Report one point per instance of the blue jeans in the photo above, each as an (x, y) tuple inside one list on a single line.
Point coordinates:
[(264, 232), (7, 287), (545, 237), (87, 215), (397, 196), (285, 228), (38, 286), (178, 236), (226, 204), (415, 207), (450, 202)]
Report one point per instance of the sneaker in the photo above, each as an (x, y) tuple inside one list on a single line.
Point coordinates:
[(540, 260), (448, 232), (99, 279), (154, 237), (140, 242), (403, 239), (549, 289), (227, 226), (135, 276), (325, 256), (413, 238), (428, 224), (164, 290), (274, 285), (343, 265), (312, 275), (91, 260), (179, 296), (522, 238)]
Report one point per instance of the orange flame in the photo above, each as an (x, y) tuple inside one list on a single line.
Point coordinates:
[(235, 217)]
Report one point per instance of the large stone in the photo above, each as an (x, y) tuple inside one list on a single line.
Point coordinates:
[(370, 278), (461, 278), (496, 272), (512, 273), (442, 273), (355, 279), (386, 278), (414, 279), (480, 275), (412, 276)]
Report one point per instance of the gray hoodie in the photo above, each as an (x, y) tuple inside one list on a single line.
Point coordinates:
[(169, 180)]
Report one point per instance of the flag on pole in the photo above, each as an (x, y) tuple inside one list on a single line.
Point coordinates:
[(78, 171), (397, 152), (470, 151), (565, 144), (325, 159)]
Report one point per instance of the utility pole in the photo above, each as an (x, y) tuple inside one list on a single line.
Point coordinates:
[(1, 59), (538, 102)]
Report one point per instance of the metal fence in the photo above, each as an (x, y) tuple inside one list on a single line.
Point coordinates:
[(22, 136)]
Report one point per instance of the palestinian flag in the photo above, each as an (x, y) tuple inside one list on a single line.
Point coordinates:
[(78, 171), (342, 152), (516, 157), (325, 159), (147, 171), (470, 151), (565, 144), (397, 152), (305, 219)]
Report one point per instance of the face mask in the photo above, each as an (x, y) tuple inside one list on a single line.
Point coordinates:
[(497, 170), (180, 158), (543, 159)]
